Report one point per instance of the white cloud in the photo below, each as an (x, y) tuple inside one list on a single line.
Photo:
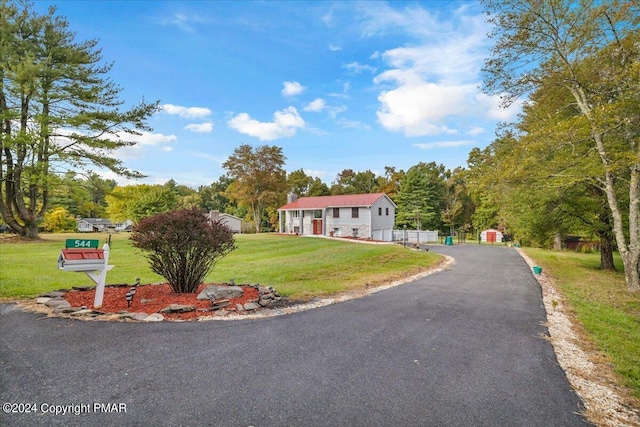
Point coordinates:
[(292, 89), (476, 131), (334, 48), (358, 68), (200, 127), (285, 124), (167, 149), (419, 108), (316, 173), (317, 105), (430, 87), (144, 141), (186, 112), (353, 124), (443, 144)]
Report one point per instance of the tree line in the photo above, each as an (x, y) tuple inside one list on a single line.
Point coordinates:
[(255, 185)]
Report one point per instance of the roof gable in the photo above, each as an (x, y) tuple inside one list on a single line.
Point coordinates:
[(346, 200)]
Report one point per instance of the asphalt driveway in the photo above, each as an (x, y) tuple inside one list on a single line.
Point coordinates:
[(462, 347)]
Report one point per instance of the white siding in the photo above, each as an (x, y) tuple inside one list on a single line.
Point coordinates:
[(381, 223)]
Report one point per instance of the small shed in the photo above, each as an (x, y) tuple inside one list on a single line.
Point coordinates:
[(491, 236)]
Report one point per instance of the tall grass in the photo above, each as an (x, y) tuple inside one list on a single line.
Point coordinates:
[(296, 266), (609, 313)]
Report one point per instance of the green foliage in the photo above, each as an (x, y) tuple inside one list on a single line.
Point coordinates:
[(58, 108), (259, 179), (136, 202), (422, 196), (182, 246), (580, 62), (59, 221)]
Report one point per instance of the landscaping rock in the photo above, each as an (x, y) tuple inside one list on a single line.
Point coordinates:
[(218, 304), (155, 317), (42, 300), (178, 308), (83, 288), (251, 306), (57, 302), (140, 316), (52, 294), (220, 292)]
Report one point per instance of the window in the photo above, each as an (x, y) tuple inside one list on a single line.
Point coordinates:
[(336, 212), (317, 214), (387, 211), (379, 211), (355, 212), (295, 214)]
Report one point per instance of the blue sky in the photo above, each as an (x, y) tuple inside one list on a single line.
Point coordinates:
[(337, 85)]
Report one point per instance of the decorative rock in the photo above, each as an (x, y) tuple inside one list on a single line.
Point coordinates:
[(265, 302), (57, 302), (216, 305), (145, 300), (52, 294), (83, 288), (43, 300), (251, 306), (239, 307), (178, 308), (140, 316), (220, 292), (155, 317)]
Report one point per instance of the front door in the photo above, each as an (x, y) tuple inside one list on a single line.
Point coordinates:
[(317, 226), (491, 236)]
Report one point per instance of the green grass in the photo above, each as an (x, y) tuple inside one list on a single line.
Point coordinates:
[(609, 313), (297, 267)]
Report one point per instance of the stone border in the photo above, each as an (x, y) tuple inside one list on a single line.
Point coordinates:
[(53, 304), (603, 404)]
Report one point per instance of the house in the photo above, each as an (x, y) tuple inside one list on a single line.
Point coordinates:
[(491, 236), (231, 221), (368, 216), (95, 225)]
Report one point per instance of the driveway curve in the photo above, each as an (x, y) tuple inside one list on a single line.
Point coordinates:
[(463, 347)]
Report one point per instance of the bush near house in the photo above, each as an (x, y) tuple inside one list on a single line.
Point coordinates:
[(182, 246)]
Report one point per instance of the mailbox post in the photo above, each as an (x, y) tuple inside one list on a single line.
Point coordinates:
[(83, 256)]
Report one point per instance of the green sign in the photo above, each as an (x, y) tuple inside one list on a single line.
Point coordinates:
[(81, 244)]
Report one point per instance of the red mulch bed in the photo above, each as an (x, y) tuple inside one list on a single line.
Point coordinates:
[(161, 296)]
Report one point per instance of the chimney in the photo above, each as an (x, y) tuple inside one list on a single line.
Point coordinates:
[(292, 197)]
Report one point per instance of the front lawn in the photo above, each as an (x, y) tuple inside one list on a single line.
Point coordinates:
[(297, 267), (609, 313)]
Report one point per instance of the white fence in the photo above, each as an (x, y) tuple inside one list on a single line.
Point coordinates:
[(413, 236)]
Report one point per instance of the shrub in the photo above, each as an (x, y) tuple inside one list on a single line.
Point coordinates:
[(182, 246), (59, 220)]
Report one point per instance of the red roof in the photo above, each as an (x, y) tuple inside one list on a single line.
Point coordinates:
[(79, 254), (322, 202)]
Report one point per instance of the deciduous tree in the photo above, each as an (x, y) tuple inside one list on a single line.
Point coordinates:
[(590, 49), (259, 178)]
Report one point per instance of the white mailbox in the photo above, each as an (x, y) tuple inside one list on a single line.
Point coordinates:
[(84, 256)]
